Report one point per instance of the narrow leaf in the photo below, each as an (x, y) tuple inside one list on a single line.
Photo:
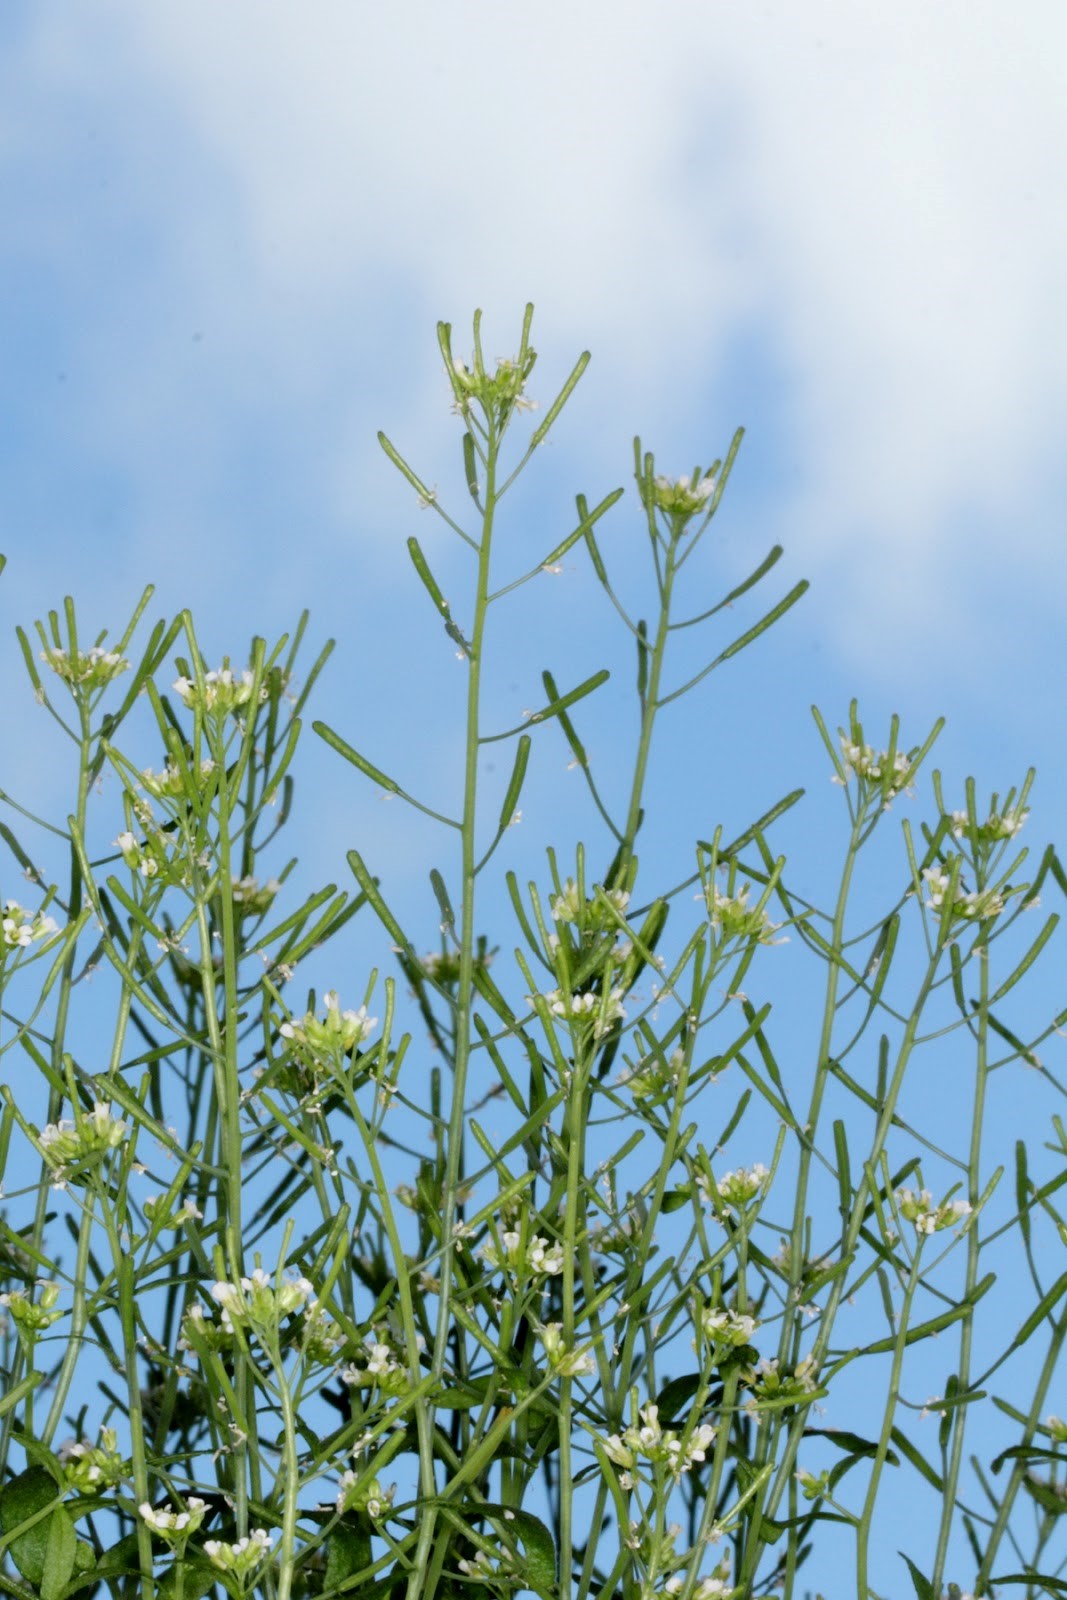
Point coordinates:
[(335, 742)]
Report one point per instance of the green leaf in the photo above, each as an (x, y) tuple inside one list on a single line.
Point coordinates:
[(121, 1561), (554, 706), (919, 1462), (45, 1552), (198, 1577), (852, 1442), (540, 1570), (348, 1550), (1040, 1312), (1045, 1496), (1026, 1452), (18, 1392), (448, 916), (1056, 1585), (518, 773), (335, 742), (676, 1395), (924, 1589), (923, 1330), (418, 561), (1022, 1190)]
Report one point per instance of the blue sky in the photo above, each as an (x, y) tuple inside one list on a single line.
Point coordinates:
[(229, 232)]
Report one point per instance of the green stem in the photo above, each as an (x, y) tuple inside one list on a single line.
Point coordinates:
[(974, 1156), (866, 1518), (649, 708), (290, 1475), (79, 1317), (417, 1588), (125, 1279), (1020, 1467)]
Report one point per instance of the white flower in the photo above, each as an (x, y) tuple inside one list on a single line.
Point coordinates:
[(740, 1187), (91, 668), (731, 917), (222, 691), (604, 1010), (541, 1258), (998, 825), (727, 1328), (681, 495), (972, 905), (339, 1031), (20, 928), (874, 765), (928, 1218), (167, 1522), (240, 1558)]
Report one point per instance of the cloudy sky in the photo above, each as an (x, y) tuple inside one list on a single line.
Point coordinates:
[(229, 231)]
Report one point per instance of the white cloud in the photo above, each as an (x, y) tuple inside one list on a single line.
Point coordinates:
[(867, 194)]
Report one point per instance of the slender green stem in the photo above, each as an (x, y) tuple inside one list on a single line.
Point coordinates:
[(1020, 1467), (866, 1518), (649, 708), (79, 1317), (290, 1476), (125, 1279), (974, 1245), (417, 1581)]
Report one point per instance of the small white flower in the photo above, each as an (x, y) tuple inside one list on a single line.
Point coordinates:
[(168, 1522)]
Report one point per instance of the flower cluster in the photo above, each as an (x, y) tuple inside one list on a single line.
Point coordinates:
[(85, 669), (257, 1302), (21, 928), (28, 1316), (337, 1034), (148, 858), (88, 1468), (188, 1211), (586, 944), (653, 1076), (563, 1361), (84, 1140), (502, 391), (240, 1559), (875, 768), (381, 1369), (737, 1189), (684, 496), (174, 1526), (172, 782), (602, 1010), (972, 906), (733, 918), (999, 825), (715, 1587), (813, 1486), (569, 906), (221, 692), (252, 898), (676, 1451), (928, 1218), (443, 966), (486, 1568), (775, 1389), (617, 1236), (535, 1258), (725, 1330), (364, 1494)]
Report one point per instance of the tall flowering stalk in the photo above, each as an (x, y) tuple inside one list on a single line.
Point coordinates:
[(285, 1316)]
